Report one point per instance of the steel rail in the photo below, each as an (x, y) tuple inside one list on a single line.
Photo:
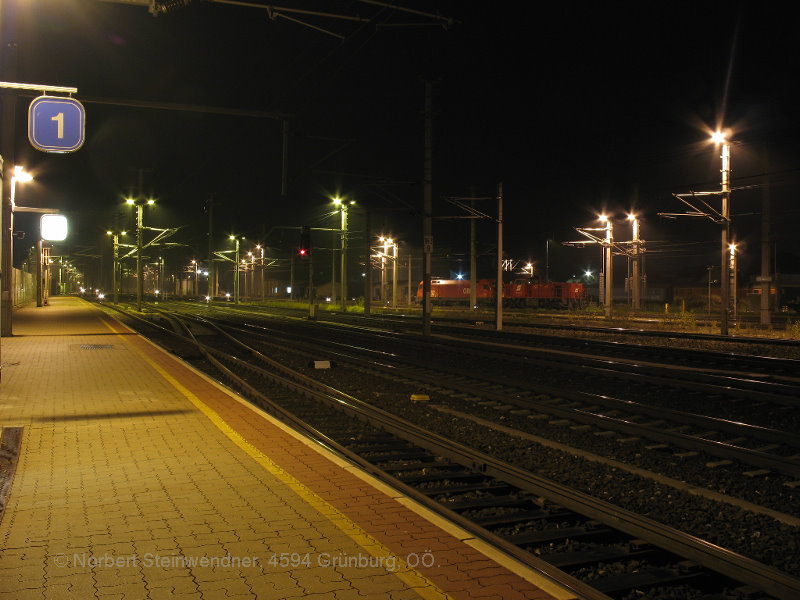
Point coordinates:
[(308, 386), (728, 563), (752, 457)]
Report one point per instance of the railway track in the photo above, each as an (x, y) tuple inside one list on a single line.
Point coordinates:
[(523, 513), (756, 463), (757, 446)]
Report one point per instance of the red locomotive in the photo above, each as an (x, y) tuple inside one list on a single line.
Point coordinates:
[(519, 293)]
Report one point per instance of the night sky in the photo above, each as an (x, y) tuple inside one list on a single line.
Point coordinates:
[(575, 107)]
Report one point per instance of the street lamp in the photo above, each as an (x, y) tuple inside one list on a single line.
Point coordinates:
[(547, 261), (394, 274), (719, 139), (115, 238), (609, 279), (529, 269), (139, 203), (236, 271), (734, 278), (263, 292), (196, 268), (637, 300), (388, 243), (343, 208), (21, 176)]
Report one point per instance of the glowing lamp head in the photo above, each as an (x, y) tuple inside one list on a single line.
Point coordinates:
[(21, 175), (54, 227), (718, 137)]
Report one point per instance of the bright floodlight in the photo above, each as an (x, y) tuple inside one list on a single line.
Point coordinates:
[(337, 200), (54, 227), (588, 273), (129, 200), (603, 218), (21, 175), (631, 217), (717, 137)]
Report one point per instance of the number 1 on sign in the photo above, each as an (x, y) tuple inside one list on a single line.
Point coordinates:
[(59, 118)]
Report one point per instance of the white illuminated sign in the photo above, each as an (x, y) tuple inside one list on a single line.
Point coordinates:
[(54, 228)]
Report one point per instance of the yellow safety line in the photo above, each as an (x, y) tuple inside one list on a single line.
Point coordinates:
[(411, 577)]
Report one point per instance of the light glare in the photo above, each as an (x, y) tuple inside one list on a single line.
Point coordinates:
[(54, 227)]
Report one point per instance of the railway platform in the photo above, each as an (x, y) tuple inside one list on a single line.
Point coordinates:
[(138, 477)]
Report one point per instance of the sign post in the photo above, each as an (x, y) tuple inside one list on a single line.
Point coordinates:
[(65, 118), (56, 124)]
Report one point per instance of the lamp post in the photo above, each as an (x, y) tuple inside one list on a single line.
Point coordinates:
[(263, 291), (608, 247), (115, 239), (637, 300), (394, 275), (196, 268), (19, 176), (162, 280), (547, 261), (249, 267), (734, 278), (343, 268), (139, 203), (387, 242), (719, 138), (244, 270), (236, 271)]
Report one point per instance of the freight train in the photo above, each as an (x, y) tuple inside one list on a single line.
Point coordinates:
[(519, 293)]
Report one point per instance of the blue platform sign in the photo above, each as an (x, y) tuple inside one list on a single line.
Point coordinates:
[(56, 124)]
